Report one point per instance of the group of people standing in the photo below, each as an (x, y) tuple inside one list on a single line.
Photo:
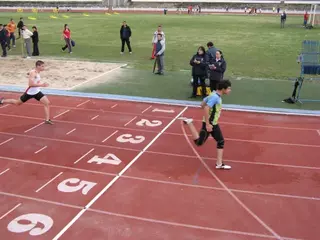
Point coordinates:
[(7, 34), (207, 64)]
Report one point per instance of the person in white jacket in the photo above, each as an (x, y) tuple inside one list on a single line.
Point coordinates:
[(155, 40), (26, 35)]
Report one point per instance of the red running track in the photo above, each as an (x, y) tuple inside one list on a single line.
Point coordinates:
[(83, 178)]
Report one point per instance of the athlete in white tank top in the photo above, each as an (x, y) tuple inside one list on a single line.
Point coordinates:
[(36, 80)]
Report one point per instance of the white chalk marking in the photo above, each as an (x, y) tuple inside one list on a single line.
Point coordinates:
[(71, 131), (3, 172), (83, 103), (6, 141), (34, 127), (226, 188), (49, 182), (318, 131), (40, 150), (83, 156), (114, 106), (61, 113), (4, 106), (98, 76), (130, 121), (146, 109), (110, 136), (11, 210), (115, 178), (94, 117)]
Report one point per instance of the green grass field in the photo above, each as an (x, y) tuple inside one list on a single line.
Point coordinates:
[(260, 56)]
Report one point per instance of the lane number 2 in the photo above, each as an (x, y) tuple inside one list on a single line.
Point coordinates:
[(145, 122)]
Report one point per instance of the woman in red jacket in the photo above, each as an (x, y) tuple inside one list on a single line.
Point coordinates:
[(66, 34)]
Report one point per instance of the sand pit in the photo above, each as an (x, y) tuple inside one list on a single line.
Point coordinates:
[(60, 74)]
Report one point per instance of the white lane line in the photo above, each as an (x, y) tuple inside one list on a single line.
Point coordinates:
[(110, 136), (226, 188), (94, 117), (12, 209), (116, 178), (40, 150), (49, 182), (61, 114), (83, 103), (33, 127), (318, 131), (71, 131), (84, 155), (3, 172), (114, 105), (6, 141), (130, 121), (146, 109)]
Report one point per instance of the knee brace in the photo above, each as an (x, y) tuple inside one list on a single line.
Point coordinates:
[(220, 144)]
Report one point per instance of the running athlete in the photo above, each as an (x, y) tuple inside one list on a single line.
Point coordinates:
[(212, 106), (33, 91)]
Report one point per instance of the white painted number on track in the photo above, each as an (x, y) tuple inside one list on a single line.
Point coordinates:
[(163, 110), (108, 159), (145, 122), (30, 223), (128, 138), (84, 185)]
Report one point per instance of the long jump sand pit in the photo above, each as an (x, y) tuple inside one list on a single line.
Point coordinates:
[(59, 73)]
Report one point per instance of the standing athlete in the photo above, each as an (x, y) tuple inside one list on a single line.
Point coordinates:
[(212, 106), (33, 91)]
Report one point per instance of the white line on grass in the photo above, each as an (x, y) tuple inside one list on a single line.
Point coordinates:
[(100, 75), (49, 182), (116, 178)]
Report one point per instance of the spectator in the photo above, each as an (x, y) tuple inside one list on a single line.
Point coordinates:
[(217, 68), (35, 40), (160, 47), (125, 34), (26, 35), (305, 19), (155, 40), (19, 26), (211, 53), (199, 71), (3, 41), (66, 35), (12, 29), (283, 19)]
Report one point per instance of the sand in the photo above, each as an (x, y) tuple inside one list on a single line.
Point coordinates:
[(60, 74)]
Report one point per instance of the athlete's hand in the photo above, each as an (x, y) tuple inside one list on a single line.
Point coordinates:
[(45, 84), (209, 127)]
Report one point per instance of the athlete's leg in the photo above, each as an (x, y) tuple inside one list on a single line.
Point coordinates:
[(217, 135), (11, 101), (45, 101), (198, 138)]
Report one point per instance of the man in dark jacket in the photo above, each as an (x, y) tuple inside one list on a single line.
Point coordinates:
[(19, 26), (199, 71), (3, 40), (125, 34)]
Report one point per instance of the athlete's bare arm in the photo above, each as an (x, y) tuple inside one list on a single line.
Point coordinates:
[(32, 75)]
